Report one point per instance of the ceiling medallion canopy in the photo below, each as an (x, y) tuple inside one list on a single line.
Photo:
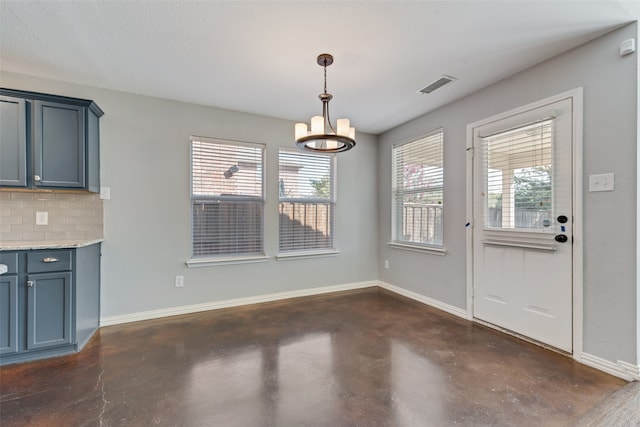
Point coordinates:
[(323, 137)]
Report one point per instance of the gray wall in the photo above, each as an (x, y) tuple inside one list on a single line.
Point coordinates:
[(610, 139), (145, 162)]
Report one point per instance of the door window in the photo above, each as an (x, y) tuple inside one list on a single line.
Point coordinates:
[(518, 177)]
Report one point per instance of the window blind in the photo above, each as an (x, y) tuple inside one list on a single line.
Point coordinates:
[(518, 177), (227, 198), (418, 182), (306, 201)]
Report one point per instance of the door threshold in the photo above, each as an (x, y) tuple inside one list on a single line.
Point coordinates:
[(522, 337)]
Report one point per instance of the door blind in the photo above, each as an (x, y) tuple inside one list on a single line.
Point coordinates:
[(518, 177), (227, 198)]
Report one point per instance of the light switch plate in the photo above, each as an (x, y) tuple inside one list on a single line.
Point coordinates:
[(602, 182), (42, 218)]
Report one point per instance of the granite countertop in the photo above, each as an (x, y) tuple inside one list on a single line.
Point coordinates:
[(46, 244)]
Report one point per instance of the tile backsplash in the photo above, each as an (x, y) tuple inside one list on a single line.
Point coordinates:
[(71, 216)]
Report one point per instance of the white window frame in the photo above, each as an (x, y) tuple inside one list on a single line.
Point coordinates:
[(228, 257), (436, 212), (297, 252)]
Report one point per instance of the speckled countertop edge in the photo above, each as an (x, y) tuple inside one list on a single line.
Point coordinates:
[(47, 244)]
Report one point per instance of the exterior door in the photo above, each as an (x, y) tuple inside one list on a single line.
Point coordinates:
[(523, 223)]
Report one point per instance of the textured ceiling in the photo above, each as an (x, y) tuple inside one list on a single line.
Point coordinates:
[(260, 56)]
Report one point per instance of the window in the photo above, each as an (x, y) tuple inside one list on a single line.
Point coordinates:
[(417, 192), (307, 202), (227, 198)]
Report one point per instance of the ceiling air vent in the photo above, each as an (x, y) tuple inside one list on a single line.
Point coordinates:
[(443, 80)]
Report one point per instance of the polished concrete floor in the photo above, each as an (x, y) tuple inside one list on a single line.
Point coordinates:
[(362, 358)]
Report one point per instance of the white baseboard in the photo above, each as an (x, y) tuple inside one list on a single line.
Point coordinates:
[(195, 308), (620, 369), (425, 300)]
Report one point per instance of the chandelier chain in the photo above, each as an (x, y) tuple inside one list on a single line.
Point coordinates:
[(325, 76)]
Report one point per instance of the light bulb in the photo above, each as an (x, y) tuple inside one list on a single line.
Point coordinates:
[(343, 127), (300, 130), (317, 125)]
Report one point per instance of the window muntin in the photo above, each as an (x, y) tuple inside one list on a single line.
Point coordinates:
[(418, 183), (307, 195), (227, 198)]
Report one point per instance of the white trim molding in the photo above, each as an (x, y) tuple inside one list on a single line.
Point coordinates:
[(456, 311), (214, 305), (620, 369), (208, 262), (418, 248)]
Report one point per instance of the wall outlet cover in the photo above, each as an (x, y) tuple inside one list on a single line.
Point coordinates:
[(179, 281), (42, 218), (105, 193)]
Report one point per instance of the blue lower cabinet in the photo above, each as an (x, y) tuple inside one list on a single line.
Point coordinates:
[(8, 314), (49, 302)]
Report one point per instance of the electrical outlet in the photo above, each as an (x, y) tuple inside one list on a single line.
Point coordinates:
[(386, 264), (42, 218), (105, 193), (179, 281)]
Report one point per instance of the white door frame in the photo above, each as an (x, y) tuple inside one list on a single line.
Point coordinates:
[(577, 180)]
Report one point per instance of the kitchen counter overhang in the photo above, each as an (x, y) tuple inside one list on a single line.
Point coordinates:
[(46, 244)]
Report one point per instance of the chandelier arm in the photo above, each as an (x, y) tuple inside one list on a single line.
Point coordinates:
[(327, 117), (325, 101)]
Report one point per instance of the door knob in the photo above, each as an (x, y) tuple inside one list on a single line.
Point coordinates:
[(562, 219), (30, 283), (561, 238)]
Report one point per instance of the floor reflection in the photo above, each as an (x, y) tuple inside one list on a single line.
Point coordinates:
[(226, 390), (274, 385), (417, 387), (307, 385)]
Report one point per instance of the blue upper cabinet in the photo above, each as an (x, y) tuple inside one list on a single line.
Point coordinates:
[(13, 142), (49, 141), (59, 148)]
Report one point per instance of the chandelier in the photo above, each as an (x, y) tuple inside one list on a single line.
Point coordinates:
[(323, 137)]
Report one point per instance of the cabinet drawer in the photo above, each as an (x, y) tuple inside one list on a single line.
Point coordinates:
[(10, 259), (44, 261)]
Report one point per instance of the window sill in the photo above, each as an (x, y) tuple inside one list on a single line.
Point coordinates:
[(417, 248), (301, 255), (208, 262)]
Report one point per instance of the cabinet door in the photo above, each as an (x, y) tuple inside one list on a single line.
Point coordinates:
[(13, 142), (49, 300), (8, 314), (59, 150)]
